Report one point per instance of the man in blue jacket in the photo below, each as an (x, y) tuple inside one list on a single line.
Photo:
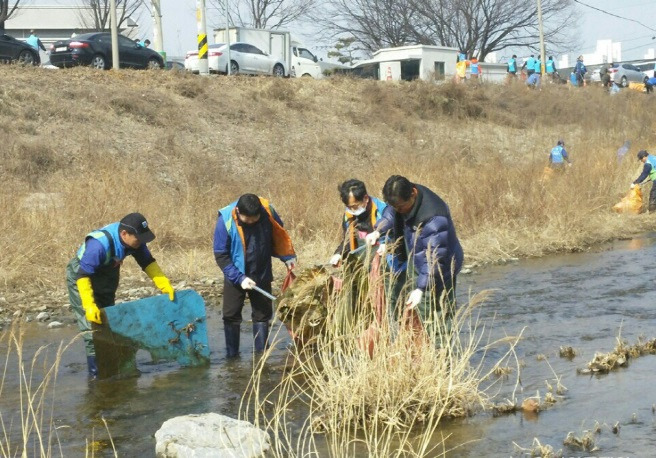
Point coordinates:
[(35, 42), (558, 156), (430, 244), (648, 171), (248, 233), (92, 275)]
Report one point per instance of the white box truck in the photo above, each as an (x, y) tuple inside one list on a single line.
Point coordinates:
[(299, 61)]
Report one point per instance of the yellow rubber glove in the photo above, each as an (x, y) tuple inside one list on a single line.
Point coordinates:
[(160, 280), (91, 310)]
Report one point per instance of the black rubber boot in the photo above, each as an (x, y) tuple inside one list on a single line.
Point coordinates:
[(93, 368), (260, 336), (232, 339)]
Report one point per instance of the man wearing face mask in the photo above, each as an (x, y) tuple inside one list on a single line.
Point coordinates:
[(248, 233), (361, 214), (435, 256), (92, 275)]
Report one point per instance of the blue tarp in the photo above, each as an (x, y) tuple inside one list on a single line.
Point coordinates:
[(169, 331)]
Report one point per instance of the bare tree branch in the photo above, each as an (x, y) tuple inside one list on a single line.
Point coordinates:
[(94, 14), (264, 14), (7, 9)]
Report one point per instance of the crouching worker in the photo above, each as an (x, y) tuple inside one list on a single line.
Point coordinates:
[(648, 171), (433, 250), (248, 233), (361, 214), (558, 156), (92, 275)]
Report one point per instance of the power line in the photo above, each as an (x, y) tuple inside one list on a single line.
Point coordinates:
[(614, 15)]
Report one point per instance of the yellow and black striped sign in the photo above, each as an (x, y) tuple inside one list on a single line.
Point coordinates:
[(202, 46)]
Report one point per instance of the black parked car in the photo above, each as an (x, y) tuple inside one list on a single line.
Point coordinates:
[(95, 49), (13, 50)]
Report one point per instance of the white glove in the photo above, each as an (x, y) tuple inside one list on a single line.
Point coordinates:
[(247, 283), (381, 249), (372, 238), (335, 260), (414, 298), (290, 263), (633, 185)]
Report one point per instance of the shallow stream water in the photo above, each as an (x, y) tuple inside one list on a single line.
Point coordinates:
[(581, 300)]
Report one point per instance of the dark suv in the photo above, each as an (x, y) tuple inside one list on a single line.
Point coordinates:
[(95, 49)]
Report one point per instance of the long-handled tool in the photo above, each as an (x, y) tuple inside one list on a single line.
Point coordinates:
[(264, 293)]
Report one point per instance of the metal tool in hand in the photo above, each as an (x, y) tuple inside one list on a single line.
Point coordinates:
[(264, 293)]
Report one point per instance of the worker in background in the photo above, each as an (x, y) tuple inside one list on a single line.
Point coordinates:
[(421, 221), (512, 66), (248, 233), (35, 42), (558, 156), (361, 214), (92, 276), (529, 64), (580, 71), (550, 68), (648, 172), (604, 74), (475, 68), (649, 84), (537, 66), (461, 68)]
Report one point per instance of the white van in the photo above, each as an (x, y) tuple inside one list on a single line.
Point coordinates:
[(304, 63)]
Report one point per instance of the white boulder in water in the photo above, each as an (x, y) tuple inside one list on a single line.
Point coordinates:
[(210, 435)]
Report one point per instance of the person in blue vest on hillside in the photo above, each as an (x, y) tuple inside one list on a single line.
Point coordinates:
[(537, 66), (580, 71), (550, 69), (558, 156), (475, 68), (648, 173), (421, 221), (248, 233), (529, 64), (512, 66), (361, 214), (92, 276), (35, 42), (649, 84)]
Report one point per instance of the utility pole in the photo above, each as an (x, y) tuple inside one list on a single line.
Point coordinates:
[(158, 36), (203, 67), (113, 23), (227, 17), (542, 53)]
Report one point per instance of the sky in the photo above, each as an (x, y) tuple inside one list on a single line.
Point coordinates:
[(180, 29)]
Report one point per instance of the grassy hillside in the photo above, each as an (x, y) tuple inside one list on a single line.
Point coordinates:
[(82, 148)]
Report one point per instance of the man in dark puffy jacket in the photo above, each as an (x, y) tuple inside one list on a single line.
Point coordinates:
[(431, 246)]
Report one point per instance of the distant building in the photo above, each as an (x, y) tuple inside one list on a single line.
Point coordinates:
[(409, 63), (606, 51)]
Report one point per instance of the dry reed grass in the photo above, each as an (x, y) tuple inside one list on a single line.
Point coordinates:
[(97, 145), (28, 399), (372, 386)]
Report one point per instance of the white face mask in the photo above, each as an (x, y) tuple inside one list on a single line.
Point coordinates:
[(357, 212)]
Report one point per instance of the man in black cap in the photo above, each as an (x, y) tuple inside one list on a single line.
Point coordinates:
[(92, 275)]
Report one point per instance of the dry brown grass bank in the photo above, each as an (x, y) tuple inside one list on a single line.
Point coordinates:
[(178, 147)]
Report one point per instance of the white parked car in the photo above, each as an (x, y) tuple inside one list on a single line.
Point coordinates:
[(244, 58), (191, 59)]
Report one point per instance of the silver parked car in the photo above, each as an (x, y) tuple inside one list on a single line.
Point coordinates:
[(623, 74), (244, 58)]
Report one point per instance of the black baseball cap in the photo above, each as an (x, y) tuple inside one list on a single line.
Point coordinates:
[(136, 224)]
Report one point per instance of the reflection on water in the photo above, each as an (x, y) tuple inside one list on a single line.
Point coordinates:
[(579, 300)]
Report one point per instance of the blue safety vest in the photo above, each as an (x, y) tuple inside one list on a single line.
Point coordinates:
[(537, 66), (652, 160), (512, 65), (530, 63), (550, 66), (33, 41), (109, 237), (557, 155), (474, 68)]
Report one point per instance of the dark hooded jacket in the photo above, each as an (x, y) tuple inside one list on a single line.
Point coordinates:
[(430, 238)]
